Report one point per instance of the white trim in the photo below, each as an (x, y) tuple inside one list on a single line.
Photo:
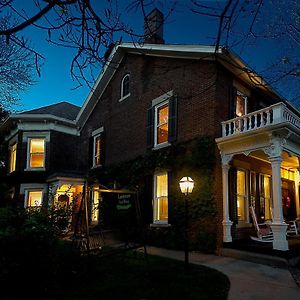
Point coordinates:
[(125, 97), (241, 223), (25, 188), (122, 96), (242, 89), (36, 134), (228, 59), (44, 117), (94, 150), (29, 126), (158, 222), (97, 131), (162, 98)]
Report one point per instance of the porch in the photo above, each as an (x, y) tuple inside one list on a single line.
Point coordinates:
[(264, 147)]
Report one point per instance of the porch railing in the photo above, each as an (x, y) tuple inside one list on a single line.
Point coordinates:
[(272, 115)]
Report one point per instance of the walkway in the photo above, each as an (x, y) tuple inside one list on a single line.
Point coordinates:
[(248, 280)]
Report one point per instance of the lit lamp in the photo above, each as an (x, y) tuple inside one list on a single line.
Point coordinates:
[(186, 186)]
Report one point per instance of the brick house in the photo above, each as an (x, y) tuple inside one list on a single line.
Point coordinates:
[(42, 149), (157, 113)]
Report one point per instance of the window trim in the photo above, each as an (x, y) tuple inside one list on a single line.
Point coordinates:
[(156, 108), (32, 187), (94, 150), (10, 157), (122, 96), (97, 132), (28, 167), (27, 191), (246, 222), (159, 222)]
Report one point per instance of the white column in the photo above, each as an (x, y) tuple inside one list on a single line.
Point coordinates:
[(297, 179), (278, 225), (226, 220)]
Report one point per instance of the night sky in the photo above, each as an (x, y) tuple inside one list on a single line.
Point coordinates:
[(181, 27)]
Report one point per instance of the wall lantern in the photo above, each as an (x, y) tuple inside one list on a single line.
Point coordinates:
[(186, 185)]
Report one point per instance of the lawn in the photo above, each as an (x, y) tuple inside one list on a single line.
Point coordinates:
[(130, 277), (122, 276)]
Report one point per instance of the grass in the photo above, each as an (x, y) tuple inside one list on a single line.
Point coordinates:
[(126, 276), (121, 277)]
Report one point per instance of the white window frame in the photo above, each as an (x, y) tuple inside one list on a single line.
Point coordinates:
[(96, 133), (246, 222), (122, 96), (10, 157), (27, 191), (28, 167), (239, 93), (94, 151), (155, 199), (156, 109), (25, 188)]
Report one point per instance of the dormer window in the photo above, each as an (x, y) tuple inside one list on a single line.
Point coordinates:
[(125, 87)]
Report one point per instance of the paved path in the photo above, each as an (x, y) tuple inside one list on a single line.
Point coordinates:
[(247, 280)]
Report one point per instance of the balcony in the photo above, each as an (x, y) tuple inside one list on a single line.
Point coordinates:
[(277, 115)]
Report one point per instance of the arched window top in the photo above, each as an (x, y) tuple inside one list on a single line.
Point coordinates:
[(125, 84)]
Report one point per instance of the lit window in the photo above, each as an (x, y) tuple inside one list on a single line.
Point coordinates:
[(12, 157), (97, 151), (241, 195), (125, 84), (241, 104), (36, 153), (161, 123), (34, 198), (160, 207), (265, 197), (95, 206)]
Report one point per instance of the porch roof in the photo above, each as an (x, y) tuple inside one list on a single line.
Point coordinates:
[(271, 132)]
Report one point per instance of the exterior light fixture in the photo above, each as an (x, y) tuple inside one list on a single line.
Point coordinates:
[(186, 186)]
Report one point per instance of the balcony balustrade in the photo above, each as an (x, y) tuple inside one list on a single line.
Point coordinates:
[(266, 117)]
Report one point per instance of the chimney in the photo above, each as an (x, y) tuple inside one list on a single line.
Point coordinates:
[(154, 27)]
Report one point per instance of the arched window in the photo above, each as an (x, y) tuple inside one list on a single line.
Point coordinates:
[(125, 86)]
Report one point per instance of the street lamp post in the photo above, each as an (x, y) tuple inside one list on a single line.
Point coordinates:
[(186, 186)]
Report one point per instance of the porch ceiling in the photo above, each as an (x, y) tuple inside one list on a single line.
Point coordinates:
[(288, 162)]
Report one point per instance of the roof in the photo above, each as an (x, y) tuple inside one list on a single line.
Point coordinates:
[(63, 109), (227, 58)]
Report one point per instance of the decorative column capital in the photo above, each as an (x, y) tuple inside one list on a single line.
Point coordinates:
[(276, 147), (226, 158)]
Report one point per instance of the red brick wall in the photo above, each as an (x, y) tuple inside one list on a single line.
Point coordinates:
[(125, 122)]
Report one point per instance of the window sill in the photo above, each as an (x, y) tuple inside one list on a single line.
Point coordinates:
[(160, 146), (96, 167), (123, 98), (157, 225), (35, 169)]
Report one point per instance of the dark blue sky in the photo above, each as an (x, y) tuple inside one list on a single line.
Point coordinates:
[(181, 27)]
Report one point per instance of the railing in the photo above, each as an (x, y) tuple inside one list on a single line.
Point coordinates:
[(272, 115)]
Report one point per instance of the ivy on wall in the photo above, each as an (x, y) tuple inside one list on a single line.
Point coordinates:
[(196, 159)]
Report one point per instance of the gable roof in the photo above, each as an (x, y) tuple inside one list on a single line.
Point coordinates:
[(63, 109), (228, 59)]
